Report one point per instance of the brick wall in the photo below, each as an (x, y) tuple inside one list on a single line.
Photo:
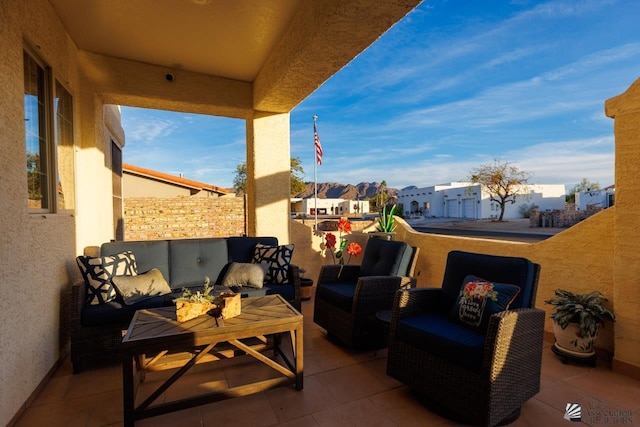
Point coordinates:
[(152, 218)]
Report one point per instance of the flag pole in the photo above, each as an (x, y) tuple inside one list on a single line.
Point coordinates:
[(315, 177)]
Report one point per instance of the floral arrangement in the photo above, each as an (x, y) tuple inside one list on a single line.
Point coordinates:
[(336, 249), (480, 290)]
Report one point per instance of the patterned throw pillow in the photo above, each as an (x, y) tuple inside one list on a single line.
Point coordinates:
[(479, 299), (278, 258), (98, 272)]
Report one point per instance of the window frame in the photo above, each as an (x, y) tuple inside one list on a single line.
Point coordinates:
[(49, 140)]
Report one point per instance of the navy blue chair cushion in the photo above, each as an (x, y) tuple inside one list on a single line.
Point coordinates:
[(339, 294), (512, 270), (434, 333), (385, 258), (116, 313)]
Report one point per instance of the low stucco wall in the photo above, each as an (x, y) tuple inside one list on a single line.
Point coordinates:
[(579, 259)]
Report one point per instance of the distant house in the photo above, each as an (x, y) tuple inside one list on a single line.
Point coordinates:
[(141, 182), (329, 206), (603, 198), (468, 200)]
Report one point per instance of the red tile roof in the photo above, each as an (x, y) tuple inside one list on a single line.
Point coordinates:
[(172, 179)]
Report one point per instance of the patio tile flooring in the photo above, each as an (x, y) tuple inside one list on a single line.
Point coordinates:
[(341, 388)]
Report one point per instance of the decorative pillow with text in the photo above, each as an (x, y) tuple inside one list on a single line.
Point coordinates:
[(479, 299)]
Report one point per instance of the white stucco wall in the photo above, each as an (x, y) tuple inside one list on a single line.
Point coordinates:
[(463, 200)]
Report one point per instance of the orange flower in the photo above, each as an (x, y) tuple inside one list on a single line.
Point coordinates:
[(354, 249), (344, 226)]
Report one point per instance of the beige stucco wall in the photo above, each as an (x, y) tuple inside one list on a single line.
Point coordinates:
[(625, 109), (268, 175), (137, 186), (37, 251), (579, 259)]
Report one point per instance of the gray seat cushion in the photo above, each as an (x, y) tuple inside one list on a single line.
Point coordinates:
[(149, 254), (193, 259)]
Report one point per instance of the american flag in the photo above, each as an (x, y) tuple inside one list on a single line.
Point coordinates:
[(316, 143)]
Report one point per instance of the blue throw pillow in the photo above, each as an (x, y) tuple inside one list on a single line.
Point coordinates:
[(479, 299)]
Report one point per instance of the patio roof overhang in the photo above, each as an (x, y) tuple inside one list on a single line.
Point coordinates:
[(282, 50)]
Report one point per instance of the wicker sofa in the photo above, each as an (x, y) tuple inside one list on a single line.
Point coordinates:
[(96, 330)]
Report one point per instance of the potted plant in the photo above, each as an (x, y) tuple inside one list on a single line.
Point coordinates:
[(576, 318), (386, 224)]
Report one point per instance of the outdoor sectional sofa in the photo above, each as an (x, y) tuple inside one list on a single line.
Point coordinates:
[(96, 329)]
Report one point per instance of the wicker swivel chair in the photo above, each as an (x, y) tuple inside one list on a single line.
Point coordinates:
[(475, 376), (348, 297)]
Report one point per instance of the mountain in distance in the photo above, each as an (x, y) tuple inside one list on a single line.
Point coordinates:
[(334, 190)]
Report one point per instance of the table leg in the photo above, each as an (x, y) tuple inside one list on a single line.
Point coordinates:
[(128, 391), (299, 346)]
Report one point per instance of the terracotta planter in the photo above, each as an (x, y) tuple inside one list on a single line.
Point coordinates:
[(569, 341)]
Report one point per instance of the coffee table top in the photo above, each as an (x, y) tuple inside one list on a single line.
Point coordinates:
[(158, 328)]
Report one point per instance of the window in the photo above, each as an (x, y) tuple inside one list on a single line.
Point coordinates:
[(116, 183), (48, 111)]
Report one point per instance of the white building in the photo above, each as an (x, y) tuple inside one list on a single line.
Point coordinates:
[(467, 200), (329, 206), (601, 198)]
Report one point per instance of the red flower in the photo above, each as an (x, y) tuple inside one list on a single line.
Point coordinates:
[(344, 226), (354, 249), (330, 240)]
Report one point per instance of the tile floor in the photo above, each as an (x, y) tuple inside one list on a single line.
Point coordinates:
[(341, 388)]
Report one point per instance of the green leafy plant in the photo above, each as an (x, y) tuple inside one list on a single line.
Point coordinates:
[(199, 297), (386, 222), (587, 310)]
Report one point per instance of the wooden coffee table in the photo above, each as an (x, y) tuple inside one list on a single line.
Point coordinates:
[(154, 334)]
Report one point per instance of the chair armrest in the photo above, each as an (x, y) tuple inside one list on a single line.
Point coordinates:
[(408, 282), (338, 273), (374, 293), (293, 276), (514, 343), (411, 302)]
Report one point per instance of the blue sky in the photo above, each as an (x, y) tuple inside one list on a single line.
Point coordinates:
[(452, 86)]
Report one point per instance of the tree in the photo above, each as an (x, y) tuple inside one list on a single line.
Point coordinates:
[(584, 185), (381, 197), (297, 177), (502, 181)]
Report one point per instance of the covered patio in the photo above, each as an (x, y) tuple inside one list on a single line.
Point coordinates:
[(264, 63), (342, 388)]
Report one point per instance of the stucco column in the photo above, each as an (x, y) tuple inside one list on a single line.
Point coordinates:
[(625, 109), (268, 175)]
